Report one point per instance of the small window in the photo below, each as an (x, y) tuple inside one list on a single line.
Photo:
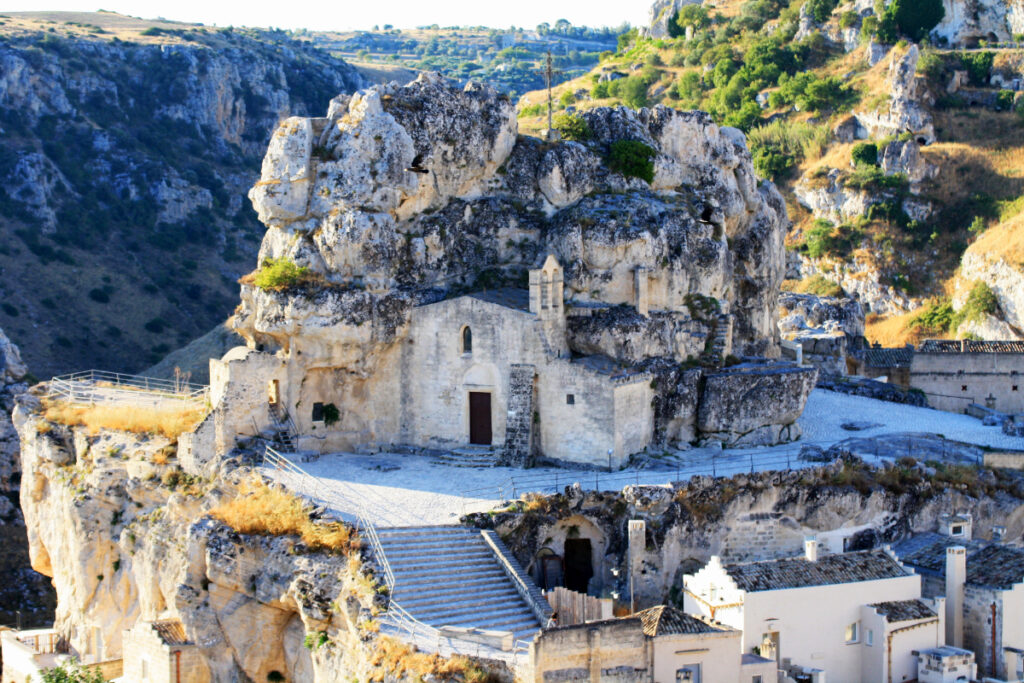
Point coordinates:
[(963, 387), (853, 632), (756, 679), (318, 412), (957, 530), (144, 669), (570, 399), (1014, 387), (467, 340), (869, 637)]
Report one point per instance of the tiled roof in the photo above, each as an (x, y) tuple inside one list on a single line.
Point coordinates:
[(988, 564), (171, 632), (970, 346), (928, 551), (996, 566), (663, 621), (888, 357), (903, 610), (867, 565), (509, 297)]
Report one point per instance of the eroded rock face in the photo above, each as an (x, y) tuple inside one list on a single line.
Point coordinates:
[(418, 191), (754, 404), (906, 111), (826, 328), (127, 538), (905, 157), (985, 261), (966, 22)]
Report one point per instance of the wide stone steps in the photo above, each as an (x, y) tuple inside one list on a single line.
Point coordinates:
[(450, 576), (467, 456)]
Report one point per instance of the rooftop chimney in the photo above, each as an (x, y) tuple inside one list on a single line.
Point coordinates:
[(811, 548), (956, 577)]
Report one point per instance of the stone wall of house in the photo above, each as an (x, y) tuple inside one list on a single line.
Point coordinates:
[(953, 380), (145, 652)]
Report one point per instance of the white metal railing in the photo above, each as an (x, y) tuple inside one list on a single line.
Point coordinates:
[(395, 616), (99, 386)]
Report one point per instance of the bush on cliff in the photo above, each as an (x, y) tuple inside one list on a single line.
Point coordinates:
[(279, 274), (632, 159), (572, 127), (263, 511), (72, 672)]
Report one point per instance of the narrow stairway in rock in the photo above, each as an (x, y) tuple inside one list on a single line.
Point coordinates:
[(450, 576)]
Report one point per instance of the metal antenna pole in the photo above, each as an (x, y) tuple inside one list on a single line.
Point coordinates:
[(548, 77)]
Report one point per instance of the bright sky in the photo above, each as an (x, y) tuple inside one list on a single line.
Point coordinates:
[(363, 14)]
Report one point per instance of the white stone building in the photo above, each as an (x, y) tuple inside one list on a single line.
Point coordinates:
[(491, 368), (983, 582), (658, 645), (854, 616)]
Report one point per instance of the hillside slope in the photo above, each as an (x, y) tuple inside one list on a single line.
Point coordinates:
[(129, 147), (893, 156)]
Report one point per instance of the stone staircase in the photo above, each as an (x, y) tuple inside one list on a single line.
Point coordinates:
[(285, 434), (519, 424), (467, 456), (720, 344), (450, 576)]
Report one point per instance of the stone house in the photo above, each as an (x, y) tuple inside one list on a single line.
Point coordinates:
[(491, 369), (658, 645), (159, 652), (946, 664), (887, 364), (983, 582), (873, 623), (956, 373)]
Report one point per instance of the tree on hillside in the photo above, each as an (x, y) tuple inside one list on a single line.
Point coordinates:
[(688, 16), (916, 18)]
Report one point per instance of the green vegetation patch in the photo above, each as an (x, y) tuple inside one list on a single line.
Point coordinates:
[(280, 274), (632, 159)]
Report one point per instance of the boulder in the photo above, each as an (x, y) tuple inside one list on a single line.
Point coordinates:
[(905, 157), (754, 403)]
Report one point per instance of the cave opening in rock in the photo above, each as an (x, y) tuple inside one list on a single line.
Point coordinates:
[(579, 567)]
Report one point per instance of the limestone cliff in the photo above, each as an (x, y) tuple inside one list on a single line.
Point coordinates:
[(126, 535), (21, 589), (339, 198)]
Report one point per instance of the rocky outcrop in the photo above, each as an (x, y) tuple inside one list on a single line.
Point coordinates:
[(906, 111), (12, 383), (829, 198), (904, 157), (660, 14), (826, 328), (757, 516), (991, 259), (339, 198), (966, 22), (754, 404), (127, 536)]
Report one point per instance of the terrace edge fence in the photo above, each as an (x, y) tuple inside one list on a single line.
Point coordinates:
[(99, 386)]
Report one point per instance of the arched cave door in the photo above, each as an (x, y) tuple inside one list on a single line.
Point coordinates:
[(579, 566)]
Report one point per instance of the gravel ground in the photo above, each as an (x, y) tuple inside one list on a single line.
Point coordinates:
[(411, 490)]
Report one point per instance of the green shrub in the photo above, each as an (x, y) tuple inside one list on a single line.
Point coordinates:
[(572, 126), (280, 274), (978, 66), (865, 153), (632, 90), (981, 301), (866, 177), (1004, 100), (688, 87), (824, 239), (821, 10), (936, 317), (977, 226), (72, 672), (688, 16), (821, 286), (632, 159), (331, 414), (916, 18), (600, 90), (771, 164), (745, 118), (849, 19), (797, 139)]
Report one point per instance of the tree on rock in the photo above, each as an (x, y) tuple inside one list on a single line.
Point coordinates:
[(916, 18)]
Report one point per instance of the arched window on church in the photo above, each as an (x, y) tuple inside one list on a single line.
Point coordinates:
[(467, 340)]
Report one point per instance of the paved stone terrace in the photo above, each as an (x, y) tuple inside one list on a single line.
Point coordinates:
[(412, 490)]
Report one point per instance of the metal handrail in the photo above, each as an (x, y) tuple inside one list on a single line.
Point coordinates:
[(92, 386)]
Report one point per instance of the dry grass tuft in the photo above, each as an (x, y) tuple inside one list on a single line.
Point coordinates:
[(1003, 242), (395, 660), (896, 330), (261, 510), (168, 420)]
